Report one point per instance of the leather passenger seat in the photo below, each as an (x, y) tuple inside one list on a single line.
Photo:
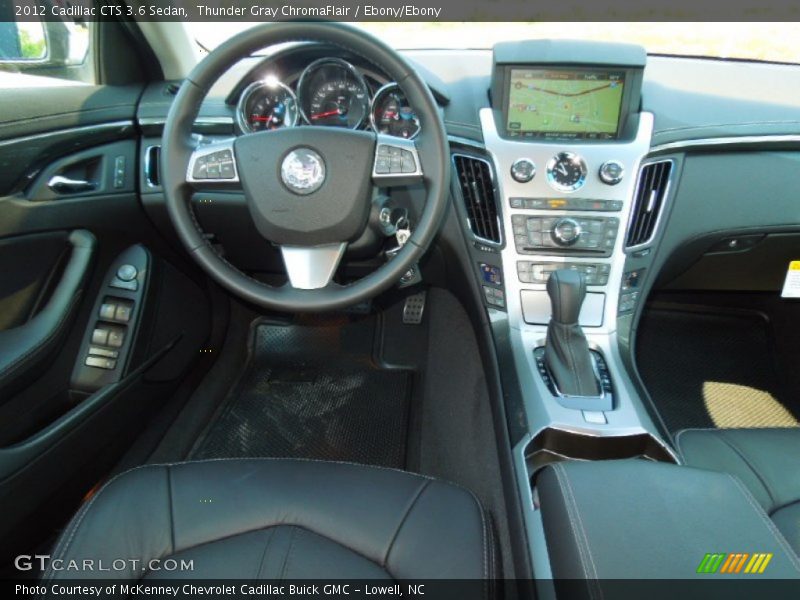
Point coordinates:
[(767, 461), (282, 519)]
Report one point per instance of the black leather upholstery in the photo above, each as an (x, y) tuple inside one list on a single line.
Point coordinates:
[(635, 519), (767, 461), (283, 519)]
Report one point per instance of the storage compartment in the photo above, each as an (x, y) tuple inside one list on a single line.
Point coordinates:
[(608, 521), (553, 445)]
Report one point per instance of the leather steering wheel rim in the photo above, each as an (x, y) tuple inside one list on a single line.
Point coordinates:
[(177, 148)]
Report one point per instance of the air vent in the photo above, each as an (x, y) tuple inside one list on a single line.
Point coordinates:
[(477, 190), (651, 193), (152, 174)]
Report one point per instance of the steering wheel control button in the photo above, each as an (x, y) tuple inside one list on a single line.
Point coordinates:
[(523, 170), (566, 172), (303, 171), (213, 162), (566, 231), (611, 172), (393, 160)]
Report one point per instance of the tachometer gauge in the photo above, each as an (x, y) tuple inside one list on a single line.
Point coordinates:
[(333, 93), (391, 113), (266, 105)]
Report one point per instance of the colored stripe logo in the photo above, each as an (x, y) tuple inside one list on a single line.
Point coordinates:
[(737, 562)]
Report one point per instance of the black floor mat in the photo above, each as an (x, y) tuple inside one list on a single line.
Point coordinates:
[(313, 391), (712, 370)]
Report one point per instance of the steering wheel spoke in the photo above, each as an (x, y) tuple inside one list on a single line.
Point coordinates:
[(213, 163), (312, 267), (396, 162)]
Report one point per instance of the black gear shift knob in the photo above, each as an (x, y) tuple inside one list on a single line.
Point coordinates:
[(566, 289)]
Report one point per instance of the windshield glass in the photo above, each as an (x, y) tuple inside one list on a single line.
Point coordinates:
[(776, 42)]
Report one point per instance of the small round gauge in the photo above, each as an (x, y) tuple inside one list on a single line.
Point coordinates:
[(391, 113), (332, 93), (566, 172), (266, 105)]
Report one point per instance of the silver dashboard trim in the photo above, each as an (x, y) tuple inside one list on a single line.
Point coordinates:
[(715, 142), (121, 125), (159, 121)]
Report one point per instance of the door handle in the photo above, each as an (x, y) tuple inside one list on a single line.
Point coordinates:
[(67, 185)]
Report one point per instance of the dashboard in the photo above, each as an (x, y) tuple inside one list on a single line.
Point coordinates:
[(329, 91)]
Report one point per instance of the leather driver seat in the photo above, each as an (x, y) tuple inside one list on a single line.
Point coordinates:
[(281, 519)]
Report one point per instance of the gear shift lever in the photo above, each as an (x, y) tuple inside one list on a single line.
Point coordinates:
[(566, 350)]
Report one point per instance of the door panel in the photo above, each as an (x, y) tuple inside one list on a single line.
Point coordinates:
[(70, 216)]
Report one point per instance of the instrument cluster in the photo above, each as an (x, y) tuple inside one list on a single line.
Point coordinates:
[(330, 92)]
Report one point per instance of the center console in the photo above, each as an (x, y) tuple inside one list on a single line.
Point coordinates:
[(567, 141)]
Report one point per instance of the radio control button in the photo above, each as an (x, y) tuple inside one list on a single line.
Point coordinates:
[(566, 231), (611, 172), (523, 170)]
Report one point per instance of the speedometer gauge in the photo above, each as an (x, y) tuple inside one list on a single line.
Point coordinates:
[(266, 105), (391, 113), (333, 93)]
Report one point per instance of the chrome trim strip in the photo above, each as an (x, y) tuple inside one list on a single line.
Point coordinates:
[(382, 90), (659, 216), (147, 167), (726, 141), (82, 129), (160, 121), (241, 117)]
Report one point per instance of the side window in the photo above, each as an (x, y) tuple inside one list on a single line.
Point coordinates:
[(35, 52)]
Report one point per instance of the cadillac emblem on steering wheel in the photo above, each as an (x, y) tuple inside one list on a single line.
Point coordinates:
[(303, 171)]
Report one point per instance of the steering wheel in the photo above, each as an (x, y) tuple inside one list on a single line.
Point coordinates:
[(308, 189)]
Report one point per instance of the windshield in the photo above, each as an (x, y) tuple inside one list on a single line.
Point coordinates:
[(776, 42)]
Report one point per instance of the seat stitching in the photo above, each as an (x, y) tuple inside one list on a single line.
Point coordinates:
[(170, 510), (488, 546), (407, 512), (76, 522), (768, 522), (568, 506), (78, 519), (583, 529), (296, 531), (288, 553), (726, 439), (270, 535)]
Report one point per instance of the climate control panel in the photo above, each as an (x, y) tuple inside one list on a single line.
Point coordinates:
[(547, 234)]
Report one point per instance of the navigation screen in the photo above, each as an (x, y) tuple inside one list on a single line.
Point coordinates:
[(565, 104)]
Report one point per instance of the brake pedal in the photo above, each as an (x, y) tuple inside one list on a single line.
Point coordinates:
[(413, 309)]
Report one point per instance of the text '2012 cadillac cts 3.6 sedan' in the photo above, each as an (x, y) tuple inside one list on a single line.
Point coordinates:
[(301, 305)]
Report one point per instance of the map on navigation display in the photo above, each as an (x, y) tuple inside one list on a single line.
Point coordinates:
[(584, 104)]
